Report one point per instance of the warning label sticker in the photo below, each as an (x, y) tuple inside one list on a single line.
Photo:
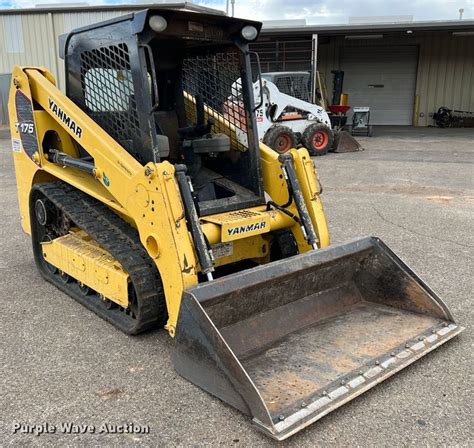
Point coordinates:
[(222, 249), (16, 145)]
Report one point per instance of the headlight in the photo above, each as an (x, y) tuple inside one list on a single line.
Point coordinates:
[(157, 23), (249, 32)]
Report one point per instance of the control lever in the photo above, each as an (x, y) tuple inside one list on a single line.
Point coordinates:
[(201, 128)]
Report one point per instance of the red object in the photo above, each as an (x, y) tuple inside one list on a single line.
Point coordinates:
[(337, 109), (291, 116), (283, 143), (320, 140)]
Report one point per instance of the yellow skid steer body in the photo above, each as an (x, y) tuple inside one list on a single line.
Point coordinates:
[(286, 341)]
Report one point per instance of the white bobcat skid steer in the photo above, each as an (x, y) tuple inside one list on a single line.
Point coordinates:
[(284, 122)]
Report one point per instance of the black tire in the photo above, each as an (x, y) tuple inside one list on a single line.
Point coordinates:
[(318, 139), (370, 133), (280, 138)]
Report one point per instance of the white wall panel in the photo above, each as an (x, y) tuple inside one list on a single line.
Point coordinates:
[(13, 34)]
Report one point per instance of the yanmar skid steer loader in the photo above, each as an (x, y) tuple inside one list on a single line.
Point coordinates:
[(151, 205)]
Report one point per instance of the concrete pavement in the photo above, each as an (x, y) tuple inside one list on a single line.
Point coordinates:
[(414, 188)]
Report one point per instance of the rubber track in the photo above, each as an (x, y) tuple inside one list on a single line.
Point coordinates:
[(122, 241)]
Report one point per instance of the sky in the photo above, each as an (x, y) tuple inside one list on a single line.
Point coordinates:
[(313, 11)]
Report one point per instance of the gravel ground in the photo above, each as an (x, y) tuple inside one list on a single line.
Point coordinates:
[(414, 188)]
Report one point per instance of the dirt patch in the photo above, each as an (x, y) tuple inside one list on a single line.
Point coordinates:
[(439, 199), (408, 189), (469, 199), (109, 394), (430, 193)]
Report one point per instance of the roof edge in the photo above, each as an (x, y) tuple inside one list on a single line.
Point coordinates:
[(118, 7), (431, 25)]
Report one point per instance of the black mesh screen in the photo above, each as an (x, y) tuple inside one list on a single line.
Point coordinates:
[(216, 78), (109, 92), (296, 86)]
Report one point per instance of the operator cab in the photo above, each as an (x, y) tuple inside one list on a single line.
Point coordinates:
[(161, 82)]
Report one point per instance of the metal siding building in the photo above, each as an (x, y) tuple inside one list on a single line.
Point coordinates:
[(31, 37), (444, 73), (443, 69), (444, 65)]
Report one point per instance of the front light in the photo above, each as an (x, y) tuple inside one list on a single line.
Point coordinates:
[(249, 32), (157, 23)]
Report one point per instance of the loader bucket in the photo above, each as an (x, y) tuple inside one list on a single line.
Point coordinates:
[(345, 142), (288, 342)]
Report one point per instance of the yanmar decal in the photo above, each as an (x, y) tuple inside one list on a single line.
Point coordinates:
[(247, 228), (65, 118)]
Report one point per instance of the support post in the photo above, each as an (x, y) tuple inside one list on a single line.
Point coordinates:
[(314, 68)]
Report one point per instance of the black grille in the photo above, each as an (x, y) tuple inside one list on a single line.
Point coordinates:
[(109, 92), (216, 78), (294, 85)]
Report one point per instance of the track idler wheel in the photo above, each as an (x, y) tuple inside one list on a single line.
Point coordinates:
[(45, 212)]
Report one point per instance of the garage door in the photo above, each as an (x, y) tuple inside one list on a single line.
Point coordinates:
[(382, 78)]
